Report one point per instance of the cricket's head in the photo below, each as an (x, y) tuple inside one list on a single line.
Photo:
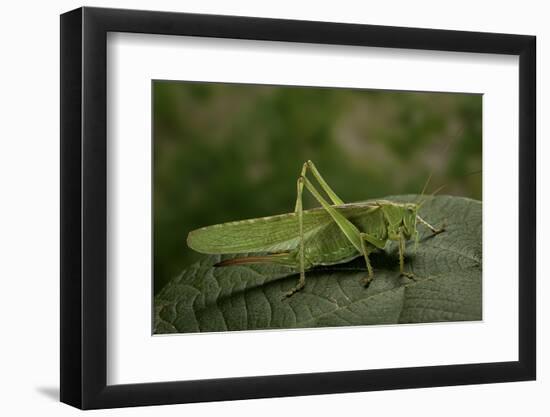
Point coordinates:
[(410, 211), (401, 217)]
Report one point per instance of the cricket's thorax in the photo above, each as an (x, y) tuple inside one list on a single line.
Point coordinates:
[(400, 219)]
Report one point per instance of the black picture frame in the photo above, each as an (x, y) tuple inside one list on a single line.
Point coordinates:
[(84, 207)]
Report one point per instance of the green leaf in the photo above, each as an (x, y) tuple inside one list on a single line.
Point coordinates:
[(447, 266)]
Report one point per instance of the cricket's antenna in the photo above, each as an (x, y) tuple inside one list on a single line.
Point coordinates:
[(479, 171), (453, 139), (438, 190), (426, 184)]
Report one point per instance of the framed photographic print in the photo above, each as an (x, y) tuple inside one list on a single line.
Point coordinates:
[(323, 200)]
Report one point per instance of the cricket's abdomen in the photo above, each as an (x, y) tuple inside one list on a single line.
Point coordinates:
[(329, 245), (325, 244)]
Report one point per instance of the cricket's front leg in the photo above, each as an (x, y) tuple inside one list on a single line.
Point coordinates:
[(429, 226)]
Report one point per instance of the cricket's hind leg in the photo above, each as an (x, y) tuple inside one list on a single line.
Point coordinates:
[(357, 239), (348, 228), (319, 178), (402, 244), (374, 242), (366, 281), (299, 211)]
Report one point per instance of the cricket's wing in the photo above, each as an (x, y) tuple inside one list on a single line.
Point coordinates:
[(266, 234)]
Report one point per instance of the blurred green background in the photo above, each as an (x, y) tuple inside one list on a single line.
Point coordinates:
[(226, 152)]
